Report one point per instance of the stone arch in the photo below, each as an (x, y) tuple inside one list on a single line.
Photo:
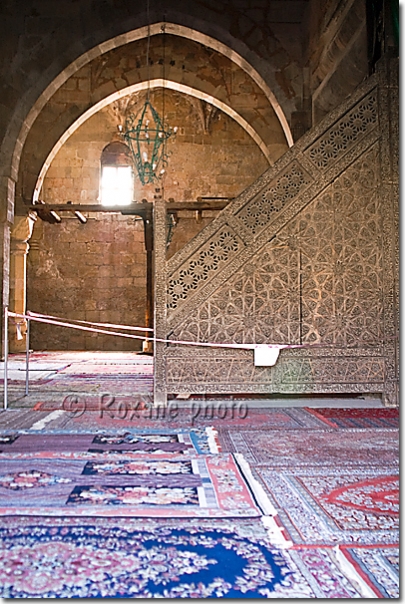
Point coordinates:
[(72, 55), (20, 124), (157, 83)]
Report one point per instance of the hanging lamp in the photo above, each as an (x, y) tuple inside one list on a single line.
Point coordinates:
[(145, 133)]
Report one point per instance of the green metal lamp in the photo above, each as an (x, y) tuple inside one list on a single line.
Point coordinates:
[(146, 137)]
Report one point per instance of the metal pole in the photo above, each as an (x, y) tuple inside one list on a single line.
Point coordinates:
[(5, 355), (27, 358)]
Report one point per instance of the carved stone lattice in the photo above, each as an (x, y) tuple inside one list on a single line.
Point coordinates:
[(258, 212), (200, 266), (343, 135)]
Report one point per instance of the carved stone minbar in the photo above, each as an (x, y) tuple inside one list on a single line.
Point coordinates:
[(307, 255)]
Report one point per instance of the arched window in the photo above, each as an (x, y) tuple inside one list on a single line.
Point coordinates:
[(117, 179)]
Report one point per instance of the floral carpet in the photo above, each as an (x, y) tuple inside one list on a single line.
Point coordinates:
[(378, 566), (281, 504), (343, 506), (295, 448), (336, 492), (77, 484), (149, 558), (108, 441)]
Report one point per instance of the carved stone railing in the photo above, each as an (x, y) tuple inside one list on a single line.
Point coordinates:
[(305, 255)]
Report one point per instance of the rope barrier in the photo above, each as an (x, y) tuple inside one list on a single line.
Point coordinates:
[(62, 323), (51, 320), (127, 327)]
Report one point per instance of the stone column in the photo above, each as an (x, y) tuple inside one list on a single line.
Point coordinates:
[(7, 190), (20, 234)]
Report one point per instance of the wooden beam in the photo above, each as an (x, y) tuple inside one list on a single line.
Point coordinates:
[(135, 208), (81, 207)]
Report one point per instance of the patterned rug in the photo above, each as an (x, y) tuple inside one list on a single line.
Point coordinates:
[(108, 484), (102, 384), (19, 419), (295, 448), (91, 410), (111, 441), (378, 567), (62, 374), (343, 506), (151, 558), (93, 369), (357, 418)]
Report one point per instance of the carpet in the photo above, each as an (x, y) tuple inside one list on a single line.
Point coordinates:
[(113, 441), (108, 484), (347, 505), (156, 558), (107, 369), (294, 448), (62, 385), (377, 566), (19, 419), (270, 418), (92, 410), (357, 418), (17, 375)]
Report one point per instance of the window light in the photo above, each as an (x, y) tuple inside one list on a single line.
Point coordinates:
[(117, 185)]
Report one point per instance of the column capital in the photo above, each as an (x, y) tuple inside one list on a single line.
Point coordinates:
[(21, 232)]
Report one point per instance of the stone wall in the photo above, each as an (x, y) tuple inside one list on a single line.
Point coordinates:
[(97, 271), (337, 52), (91, 272), (183, 64)]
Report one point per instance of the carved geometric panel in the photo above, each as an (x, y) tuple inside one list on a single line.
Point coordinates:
[(339, 238), (234, 371), (340, 370), (206, 261), (318, 281), (259, 304), (256, 214), (345, 133), (323, 278), (229, 369)]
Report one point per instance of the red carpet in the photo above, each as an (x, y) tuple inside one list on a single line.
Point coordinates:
[(357, 418)]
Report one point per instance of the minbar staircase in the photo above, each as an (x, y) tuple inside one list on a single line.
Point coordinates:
[(305, 255)]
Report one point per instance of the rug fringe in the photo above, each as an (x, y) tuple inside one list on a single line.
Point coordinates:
[(212, 436), (351, 573), (276, 533), (322, 418), (260, 494), (40, 424)]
